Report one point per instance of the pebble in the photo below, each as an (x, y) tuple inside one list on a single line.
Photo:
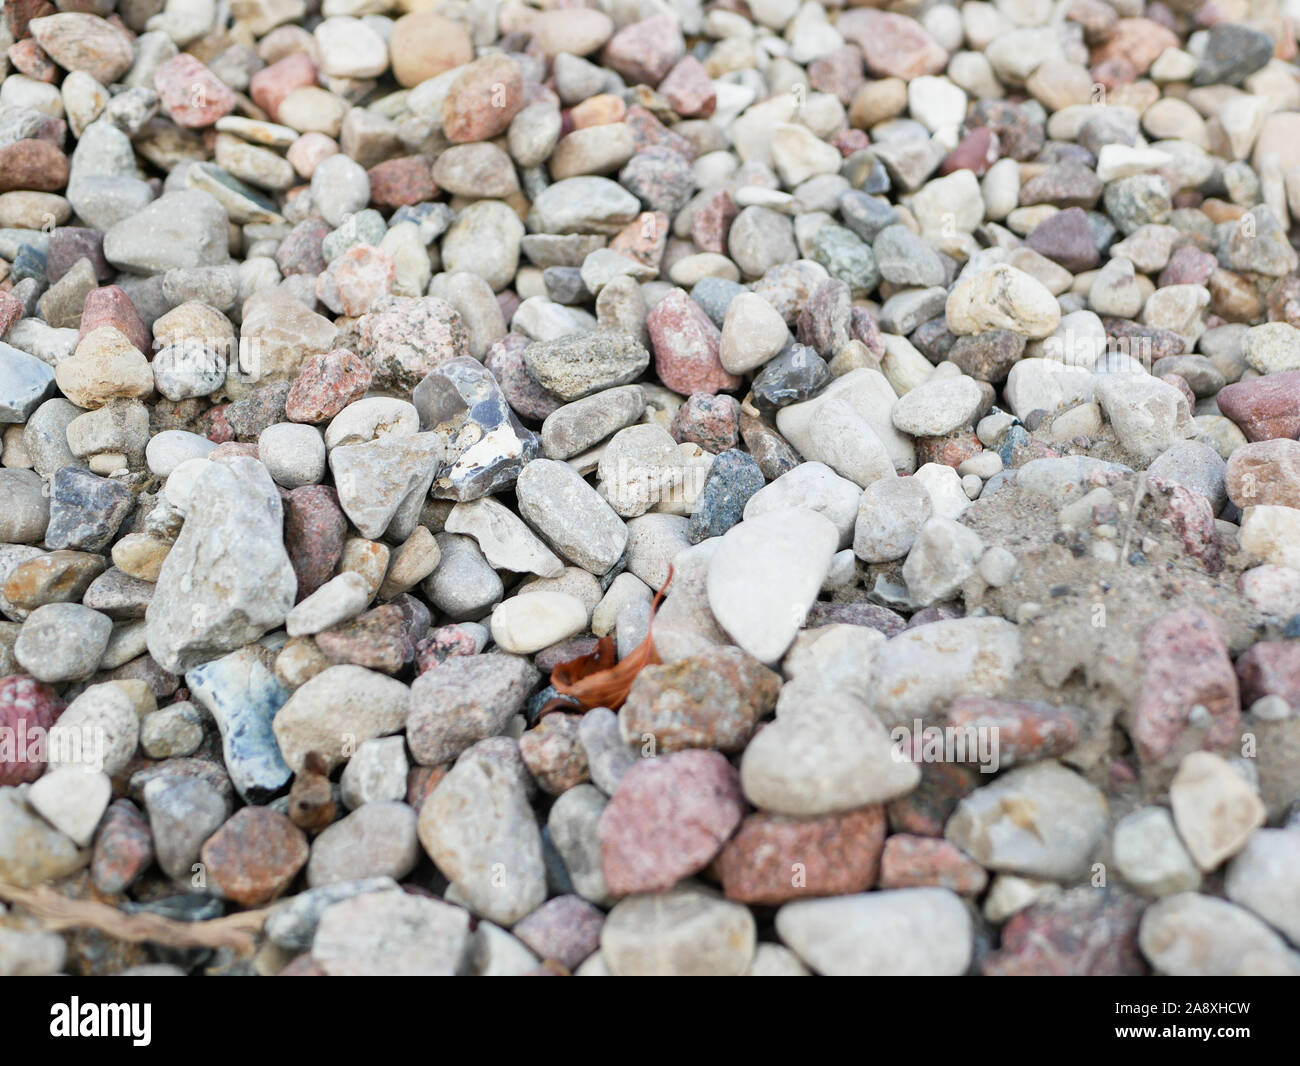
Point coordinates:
[(903, 932), (1062, 818), (378, 839), (212, 602), (683, 932), (464, 700), (792, 551), (391, 934), (832, 756), (1215, 809), (254, 857), (1194, 935), (477, 824)]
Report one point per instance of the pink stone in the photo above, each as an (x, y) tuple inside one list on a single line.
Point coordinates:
[(27, 710), (301, 251), (1264, 407), (649, 132), (191, 93), (123, 848), (314, 528), (711, 421), (1027, 730), (309, 151), (846, 142), (1265, 474), (527, 398), (919, 862), (11, 310), (644, 238), (356, 280), (270, 85), (1191, 517), (689, 89), (1129, 52), (838, 73), (976, 152), (396, 182), (1271, 668), (645, 51), (668, 819), (327, 383), (1186, 665), (712, 222), (1084, 933), (686, 345), (893, 46), (837, 854), (566, 929), (111, 306), (485, 96), (1188, 266)]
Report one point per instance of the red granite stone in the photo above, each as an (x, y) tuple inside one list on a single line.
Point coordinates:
[(11, 310), (29, 58), (644, 238), (1186, 665), (32, 164), (191, 94), (920, 862), (314, 528), (483, 99), (893, 46), (686, 347), (1265, 407), (976, 152), (377, 640), (1271, 668), (925, 810), (327, 383), (111, 306), (950, 450), (254, 857), (668, 819), (27, 710), (644, 52), (1130, 51), (1087, 932), (1027, 730), (712, 222), (773, 858), (689, 89), (19, 13), (123, 848), (648, 131), (711, 421), (406, 180)]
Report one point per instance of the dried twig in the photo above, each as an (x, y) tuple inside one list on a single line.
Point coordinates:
[(238, 931)]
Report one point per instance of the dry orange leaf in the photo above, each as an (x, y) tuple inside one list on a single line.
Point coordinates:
[(595, 679)]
